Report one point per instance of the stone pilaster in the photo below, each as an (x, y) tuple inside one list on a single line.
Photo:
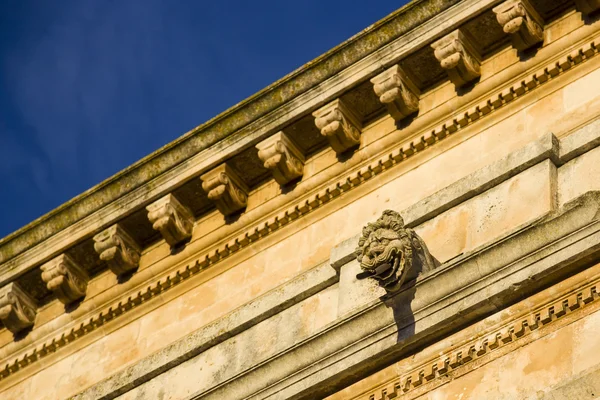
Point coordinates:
[(396, 92), (339, 124), (280, 155), (588, 6), (118, 249), (173, 220), (522, 22), (226, 189), (17, 308), (458, 56), (67, 280)]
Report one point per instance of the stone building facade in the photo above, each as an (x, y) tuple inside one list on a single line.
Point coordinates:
[(413, 215)]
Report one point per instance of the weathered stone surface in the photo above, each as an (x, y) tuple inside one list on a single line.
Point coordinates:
[(118, 249), (17, 308), (173, 220), (389, 252), (339, 124), (226, 189), (396, 92), (458, 56), (471, 286), (65, 278), (521, 20), (244, 318), (280, 155)]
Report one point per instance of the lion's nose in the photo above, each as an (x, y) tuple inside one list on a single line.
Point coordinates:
[(375, 250)]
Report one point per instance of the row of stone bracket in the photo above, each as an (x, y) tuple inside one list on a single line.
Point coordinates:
[(336, 121)]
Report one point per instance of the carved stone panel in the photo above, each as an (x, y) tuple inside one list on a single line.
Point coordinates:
[(520, 20), (65, 278), (17, 308), (118, 249), (282, 157), (396, 92), (173, 220), (588, 6), (389, 252), (458, 56), (226, 189), (339, 124)]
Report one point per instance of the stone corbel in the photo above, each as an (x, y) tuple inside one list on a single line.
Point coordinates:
[(226, 189), (17, 308), (118, 249), (65, 278), (339, 124), (173, 220), (280, 155), (396, 92), (587, 6), (520, 20), (458, 56)]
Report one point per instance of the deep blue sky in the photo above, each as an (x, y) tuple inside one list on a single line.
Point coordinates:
[(87, 87)]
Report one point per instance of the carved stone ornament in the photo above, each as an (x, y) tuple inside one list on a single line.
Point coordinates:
[(17, 308), (173, 220), (118, 249), (396, 92), (226, 189), (282, 157), (65, 278), (458, 56), (519, 19), (389, 252), (339, 124), (588, 6)]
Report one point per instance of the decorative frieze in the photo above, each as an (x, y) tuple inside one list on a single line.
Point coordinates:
[(458, 56), (17, 308), (389, 252), (280, 155), (118, 249), (587, 6), (396, 92), (520, 20), (173, 220), (226, 189), (339, 124), (65, 278)]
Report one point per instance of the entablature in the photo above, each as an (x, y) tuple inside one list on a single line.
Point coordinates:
[(236, 169)]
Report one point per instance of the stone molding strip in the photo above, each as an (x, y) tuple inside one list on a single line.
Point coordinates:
[(473, 286), (248, 315), (453, 296), (242, 318), (487, 343), (317, 200)]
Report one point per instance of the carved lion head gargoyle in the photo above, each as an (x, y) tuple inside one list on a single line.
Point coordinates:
[(390, 253)]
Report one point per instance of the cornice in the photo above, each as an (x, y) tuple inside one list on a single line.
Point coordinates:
[(148, 290), (246, 112)]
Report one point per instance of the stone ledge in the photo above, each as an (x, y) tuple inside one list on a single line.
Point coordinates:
[(456, 294), (581, 141), (248, 315), (546, 147)]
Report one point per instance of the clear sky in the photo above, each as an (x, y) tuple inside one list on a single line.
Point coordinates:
[(88, 87)]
